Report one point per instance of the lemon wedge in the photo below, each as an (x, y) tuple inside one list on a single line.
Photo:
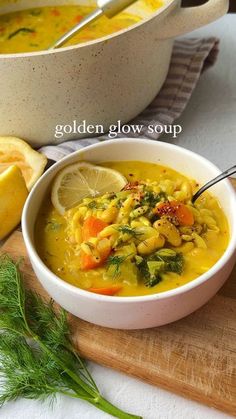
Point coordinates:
[(14, 151), (13, 194), (81, 180)]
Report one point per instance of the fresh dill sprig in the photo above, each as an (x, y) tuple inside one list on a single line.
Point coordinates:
[(115, 262), (151, 198), (26, 371), (96, 205), (126, 229), (37, 359)]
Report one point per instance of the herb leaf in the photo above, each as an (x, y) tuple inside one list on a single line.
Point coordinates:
[(126, 229), (151, 198), (20, 30), (115, 263), (154, 266), (96, 205), (27, 371)]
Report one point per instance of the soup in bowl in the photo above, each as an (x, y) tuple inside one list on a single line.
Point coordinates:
[(142, 237), (138, 253)]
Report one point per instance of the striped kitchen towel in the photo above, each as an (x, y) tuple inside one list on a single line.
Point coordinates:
[(189, 59)]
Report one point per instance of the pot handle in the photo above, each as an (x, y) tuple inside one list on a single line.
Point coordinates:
[(183, 20)]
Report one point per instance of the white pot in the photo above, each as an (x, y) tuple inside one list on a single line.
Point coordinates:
[(145, 311), (112, 78)]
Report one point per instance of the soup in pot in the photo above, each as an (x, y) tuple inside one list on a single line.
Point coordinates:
[(38, 28)]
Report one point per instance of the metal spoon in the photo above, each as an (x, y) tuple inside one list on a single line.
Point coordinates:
[(108, 8), (212, 182)]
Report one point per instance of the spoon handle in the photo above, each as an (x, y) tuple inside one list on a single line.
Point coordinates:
[(108, 8), (212, 182), (77, 28)]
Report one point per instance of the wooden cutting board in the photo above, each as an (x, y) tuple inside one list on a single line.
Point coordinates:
[(194, 357)]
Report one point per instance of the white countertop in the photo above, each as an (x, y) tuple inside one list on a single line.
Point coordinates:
[(209, 128), (209, 120)]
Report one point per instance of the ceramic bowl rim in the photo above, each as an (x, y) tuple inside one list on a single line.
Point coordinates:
[(36, 260)]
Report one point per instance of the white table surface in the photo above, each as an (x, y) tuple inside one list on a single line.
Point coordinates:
[(209, 128)]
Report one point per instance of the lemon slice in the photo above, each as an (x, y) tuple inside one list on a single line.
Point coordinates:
[(14, 151), (13, 193), (81, 180)]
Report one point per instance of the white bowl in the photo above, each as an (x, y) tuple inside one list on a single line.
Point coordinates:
[(144, 311)]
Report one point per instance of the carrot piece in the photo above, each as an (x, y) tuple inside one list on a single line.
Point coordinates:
[(78, 18), (184, 215), (89, 262), (56, 12), (178, 210), (91, 227), (114, 289)]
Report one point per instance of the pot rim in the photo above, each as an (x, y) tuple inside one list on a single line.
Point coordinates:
[(158, 12), (175, 292)]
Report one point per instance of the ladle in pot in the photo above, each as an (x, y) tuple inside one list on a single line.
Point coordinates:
[(108, 8)]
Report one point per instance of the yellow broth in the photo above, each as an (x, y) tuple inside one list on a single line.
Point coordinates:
[(38, 28), (56, 245)]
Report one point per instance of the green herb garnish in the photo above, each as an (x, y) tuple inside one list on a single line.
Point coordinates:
[(119, 203), (114, 262), (92, 205), (96, 205), (154, 266), (21, 30), (174, 261), (53, 225), (126, 229), (37, 359), (151, 198)]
